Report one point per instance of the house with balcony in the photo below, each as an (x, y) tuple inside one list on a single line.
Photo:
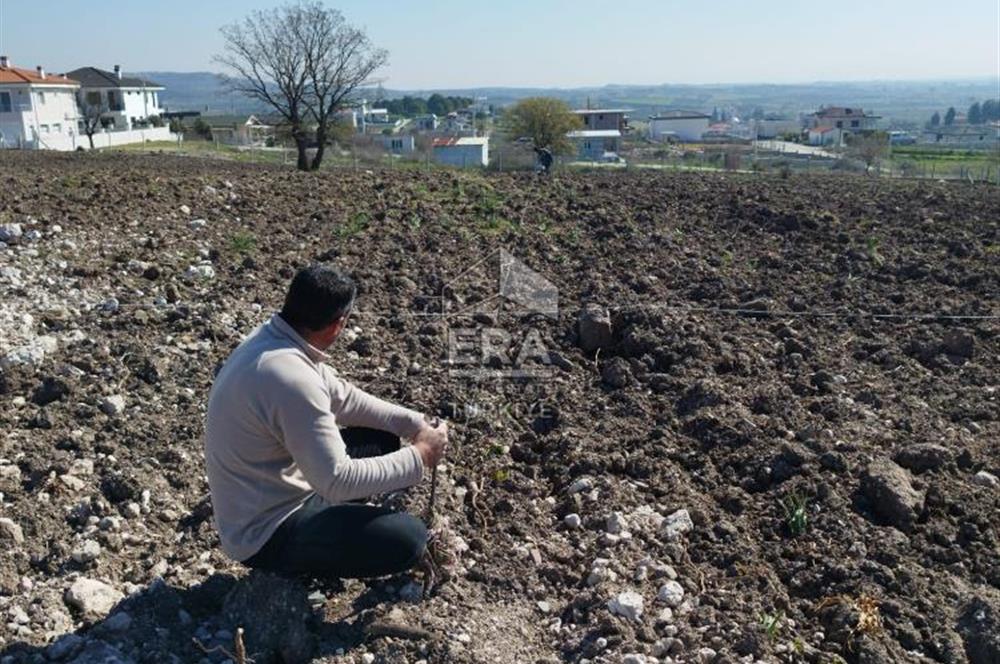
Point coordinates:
[(600, 135), (37, 109), (834, 124), (128, 102)]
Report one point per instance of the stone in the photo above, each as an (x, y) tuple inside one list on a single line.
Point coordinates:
[(922, 457), (979, 627), (276, 617), (92, 597), (10, 531), (676, 524), (65, 646), (671, 593), (984, 478), (891, 495), (201, 272), (86, 552), (616, 373), (119, 622), (10, 233), (633, 658), (197, 223), (628, 605), (580, 485), (572, 520), (615, 523), (185, 209), (113, 405), (594, 328)]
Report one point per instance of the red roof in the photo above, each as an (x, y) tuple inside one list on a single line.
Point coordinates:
[(30, 76), (444, 142)]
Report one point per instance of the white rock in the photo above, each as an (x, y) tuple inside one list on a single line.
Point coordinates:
[(580, 484), (92, 596), (368, 658), (628, 605), (677, 524), (572, 520), (615, 523), (983, 478), (200, 272), (185, 209), (10, 232), (10, 531), (197, 223), (113, 405), (633, 658), (87, 551), (34, 235), (671, 593)]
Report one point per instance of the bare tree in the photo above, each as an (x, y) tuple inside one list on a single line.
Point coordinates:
[(304, 61), (869, 147), (92, 108)]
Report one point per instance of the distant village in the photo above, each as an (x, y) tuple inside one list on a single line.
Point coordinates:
[(93, 108)]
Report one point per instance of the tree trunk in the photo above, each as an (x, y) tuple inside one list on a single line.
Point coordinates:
[(303, 146), (320, 148), (90, 137)]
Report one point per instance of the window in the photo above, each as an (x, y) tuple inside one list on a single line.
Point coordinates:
[(44, 129), (840, 124), (397, 144), (41, 97), (57, 128), (5, 105), (855, 123)]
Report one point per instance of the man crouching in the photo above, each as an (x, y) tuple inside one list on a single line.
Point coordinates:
[(288, 443)]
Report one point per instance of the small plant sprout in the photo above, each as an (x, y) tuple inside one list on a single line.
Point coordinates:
[(796, 517), (873, 252), (772, 624), (243, 243)]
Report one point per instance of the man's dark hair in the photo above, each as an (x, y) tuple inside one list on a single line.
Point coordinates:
[(318, 296)]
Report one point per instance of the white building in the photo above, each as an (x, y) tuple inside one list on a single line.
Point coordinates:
[(247, 133), (37, 109), (463, 152), (775, 127), (678, 125), (397, 143), (129, 102)]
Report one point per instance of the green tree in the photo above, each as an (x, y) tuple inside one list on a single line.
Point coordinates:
[(949, 117), (935, 119), (545, 121), (975, 115), (438, 105), (991, 110)]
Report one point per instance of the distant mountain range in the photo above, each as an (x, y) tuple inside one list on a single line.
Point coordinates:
[(901, 100)]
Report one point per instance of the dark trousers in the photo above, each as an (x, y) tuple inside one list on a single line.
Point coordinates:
[(349, 540)]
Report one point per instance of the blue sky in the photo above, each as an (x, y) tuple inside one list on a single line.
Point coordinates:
[(562, 43)]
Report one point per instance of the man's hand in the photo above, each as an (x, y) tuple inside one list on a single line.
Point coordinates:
[(431, 442)]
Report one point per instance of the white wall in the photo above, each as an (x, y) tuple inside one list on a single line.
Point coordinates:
[(687, 129), (462, 155), (136, 103), (40, 114)]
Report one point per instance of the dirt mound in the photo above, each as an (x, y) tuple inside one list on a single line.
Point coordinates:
[(781, 443)]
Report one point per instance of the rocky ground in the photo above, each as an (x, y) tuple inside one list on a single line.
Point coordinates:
[(764, 426)]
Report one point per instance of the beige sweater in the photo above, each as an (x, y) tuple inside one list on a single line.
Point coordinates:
[(272, 437)]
